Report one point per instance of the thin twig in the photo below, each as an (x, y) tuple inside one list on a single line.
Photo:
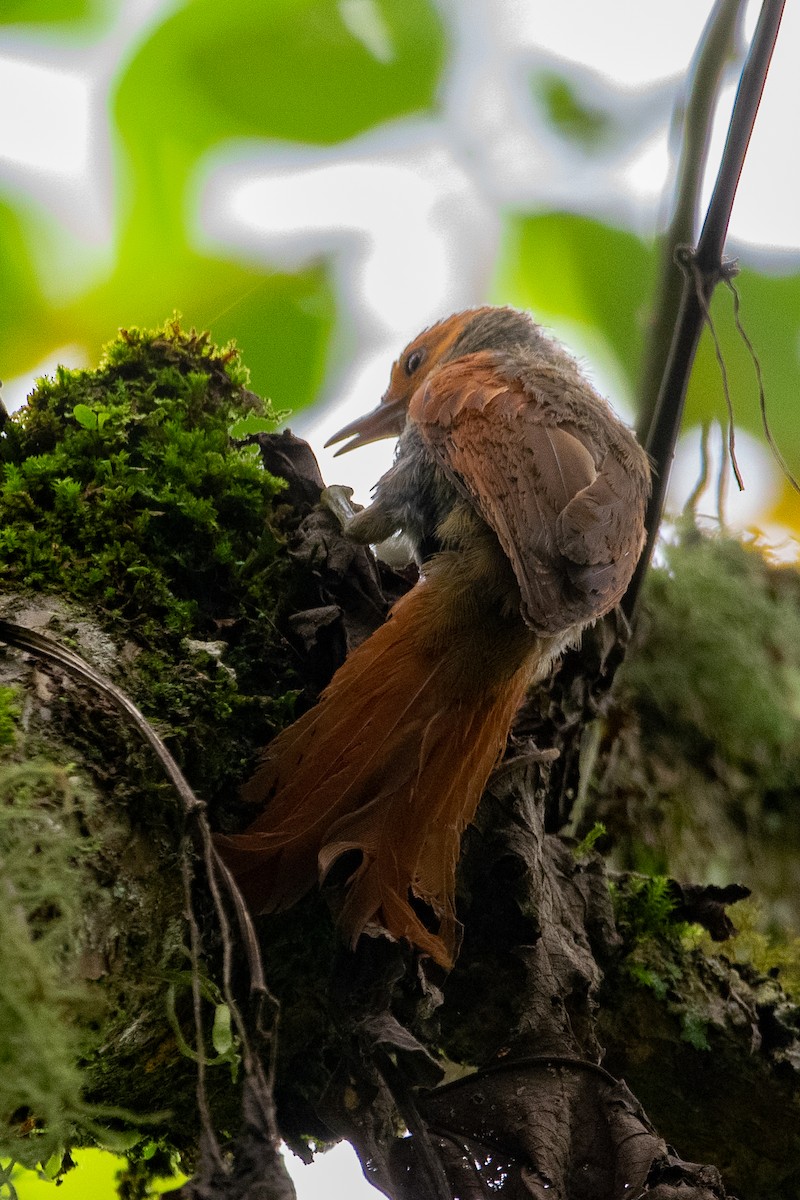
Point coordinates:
[(210, 1138), (693, 122), (762, 399), (259, 993), (722, 481), (543, 1061), (664, 428), (723, 370), (52, 651), (693, 499)]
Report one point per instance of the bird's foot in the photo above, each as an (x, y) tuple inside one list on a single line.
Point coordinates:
[(336, 498), (524, 755), (532, 755), (371, 527)]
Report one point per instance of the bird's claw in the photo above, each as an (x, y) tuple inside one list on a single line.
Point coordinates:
[(336, 498)]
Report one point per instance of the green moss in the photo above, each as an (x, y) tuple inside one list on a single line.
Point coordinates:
[(775, 953), (121, 486), (655, 942), (122, 489), (9, 714), (587, 844), (719, 664), (643, 908), (646, 977), (694, 1030), (698, 776), (124, 498)]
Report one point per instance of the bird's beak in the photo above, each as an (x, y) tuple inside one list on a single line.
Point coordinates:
[(387, 420)]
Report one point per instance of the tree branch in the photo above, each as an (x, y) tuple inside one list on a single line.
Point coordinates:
[(692, 124), (706, 268)]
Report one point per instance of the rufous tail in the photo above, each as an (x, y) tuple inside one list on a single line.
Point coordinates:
[(391, 762)]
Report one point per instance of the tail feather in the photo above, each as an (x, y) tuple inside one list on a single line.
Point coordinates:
[(391, 762)]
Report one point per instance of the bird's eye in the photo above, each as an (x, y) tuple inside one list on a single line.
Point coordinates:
[(413, 361)]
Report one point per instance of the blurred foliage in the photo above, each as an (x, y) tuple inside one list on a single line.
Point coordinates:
[(206, 77), (96, 1177), (45, 12), (300, 70), (560, 265), (312, 71), (564, 110)]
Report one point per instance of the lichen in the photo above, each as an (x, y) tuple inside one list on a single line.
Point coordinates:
[(43, 863)]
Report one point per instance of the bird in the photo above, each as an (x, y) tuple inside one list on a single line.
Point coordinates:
[(523, 497)]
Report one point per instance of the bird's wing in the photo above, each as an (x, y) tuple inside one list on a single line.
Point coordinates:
[(564, 496)]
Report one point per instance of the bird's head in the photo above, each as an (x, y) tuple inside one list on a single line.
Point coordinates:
[(420, 357), (463, 333)]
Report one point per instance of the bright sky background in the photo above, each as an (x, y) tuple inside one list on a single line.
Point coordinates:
[(412, 215)]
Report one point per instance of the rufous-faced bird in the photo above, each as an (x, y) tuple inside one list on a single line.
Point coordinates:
[(523, 496)]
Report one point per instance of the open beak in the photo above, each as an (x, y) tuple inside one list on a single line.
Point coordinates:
[(387, 420)]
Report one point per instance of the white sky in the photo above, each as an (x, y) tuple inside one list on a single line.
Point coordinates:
[(411, 215)]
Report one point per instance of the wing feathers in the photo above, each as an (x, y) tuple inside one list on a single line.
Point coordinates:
[(558, 478)]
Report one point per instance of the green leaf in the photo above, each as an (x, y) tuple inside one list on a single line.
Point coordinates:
[(85, 416), (565, 111), (40, 12), (22, 305), (251, 425), (300, 70), (562, 266), (52, 1167), (119, 1141)]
